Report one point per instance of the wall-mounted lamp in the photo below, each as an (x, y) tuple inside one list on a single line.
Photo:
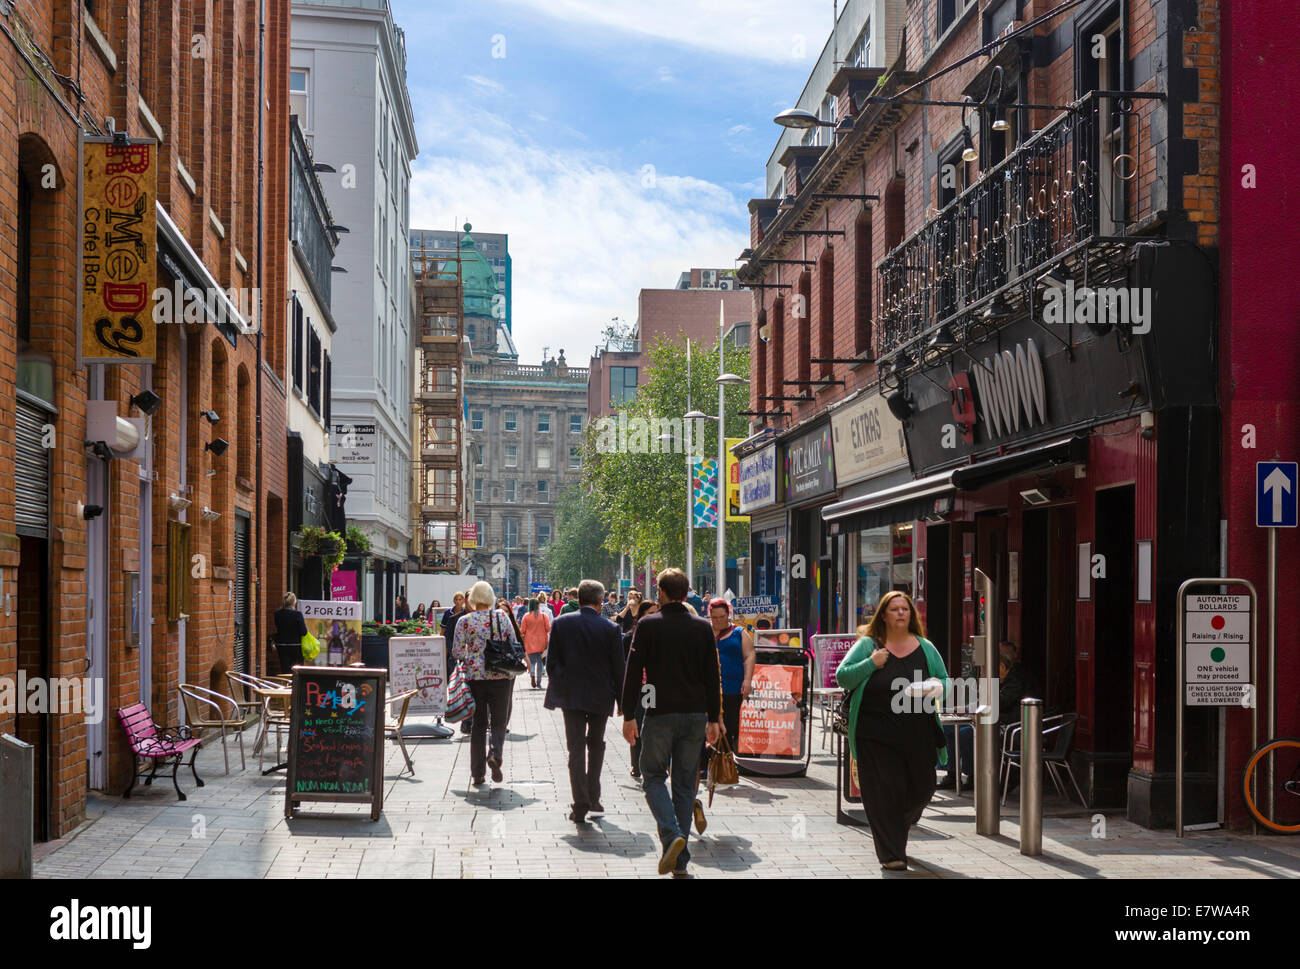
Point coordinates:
[(217, 446), (901, 404), (338, 228), (208, 515), (147, 401), (178, 502), (337, 269), (322, 167)]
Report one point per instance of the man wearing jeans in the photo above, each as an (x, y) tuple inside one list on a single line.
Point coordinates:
[(682, 699)]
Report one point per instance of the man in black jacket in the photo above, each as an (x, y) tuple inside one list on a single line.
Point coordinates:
[(682, 698), (584, 669)]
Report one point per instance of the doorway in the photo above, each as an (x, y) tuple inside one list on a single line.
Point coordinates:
[(33, 662), (1113, 647), (241, 593), (1047, 604)]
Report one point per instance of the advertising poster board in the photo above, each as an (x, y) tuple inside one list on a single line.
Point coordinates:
[(336, 738), (775, 725), (337, 624), (733, 483), (829, 649), (343, 585), (746, 611), (417, 663), (704, 489)]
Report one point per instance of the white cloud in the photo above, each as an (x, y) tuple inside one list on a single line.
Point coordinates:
[(739, 129), (666, 74), (764, 30), (485, 83), (584, 238)]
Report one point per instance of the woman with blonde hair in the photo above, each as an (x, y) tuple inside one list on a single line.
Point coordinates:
[(894, 735), (491, 690)]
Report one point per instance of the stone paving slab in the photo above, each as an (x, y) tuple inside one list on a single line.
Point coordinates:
[(437, 825)]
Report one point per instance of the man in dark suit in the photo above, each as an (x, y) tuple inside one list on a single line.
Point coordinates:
[(584, 669)]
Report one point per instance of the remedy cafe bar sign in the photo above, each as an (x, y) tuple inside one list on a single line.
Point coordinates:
[(868, 440)]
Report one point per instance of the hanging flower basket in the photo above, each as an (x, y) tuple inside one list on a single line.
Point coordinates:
[(316, 542)]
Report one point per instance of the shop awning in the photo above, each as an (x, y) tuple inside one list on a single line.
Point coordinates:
[(184, 264), (898, 504), (1066, 450), (917, 499)]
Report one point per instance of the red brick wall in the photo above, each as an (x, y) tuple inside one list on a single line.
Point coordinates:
[(190, 96)]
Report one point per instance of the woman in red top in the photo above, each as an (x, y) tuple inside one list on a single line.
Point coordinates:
[(536, 629)]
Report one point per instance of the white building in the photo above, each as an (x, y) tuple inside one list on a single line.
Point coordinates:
[(348, 84)]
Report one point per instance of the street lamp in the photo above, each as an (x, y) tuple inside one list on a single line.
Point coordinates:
[(725, 380), (801, 119)]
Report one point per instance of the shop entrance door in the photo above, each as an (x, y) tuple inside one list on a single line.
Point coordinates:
[(1113, 648), (1047, 604)]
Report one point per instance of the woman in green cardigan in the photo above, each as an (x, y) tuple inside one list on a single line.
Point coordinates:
[(895, 740)]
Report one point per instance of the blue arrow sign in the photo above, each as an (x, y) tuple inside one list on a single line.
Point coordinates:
[(1277, 487)]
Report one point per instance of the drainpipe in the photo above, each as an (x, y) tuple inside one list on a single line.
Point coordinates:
[(256, 645)]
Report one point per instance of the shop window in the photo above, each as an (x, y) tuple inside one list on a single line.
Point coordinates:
[(862, 273), (826, 312), (884, 564), (803, 327)]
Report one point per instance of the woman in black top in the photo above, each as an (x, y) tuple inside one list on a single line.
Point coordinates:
[(290, 627), (895, 735)]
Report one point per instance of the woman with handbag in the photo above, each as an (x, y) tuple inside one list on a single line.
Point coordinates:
[(896, 739), (483, 636)]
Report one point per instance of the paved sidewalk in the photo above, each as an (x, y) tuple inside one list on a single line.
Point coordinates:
[(436, 825)]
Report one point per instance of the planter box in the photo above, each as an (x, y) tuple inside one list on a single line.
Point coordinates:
[(374, 650)]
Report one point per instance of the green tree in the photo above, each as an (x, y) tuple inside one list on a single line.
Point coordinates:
[(578, 549), (638, 489)]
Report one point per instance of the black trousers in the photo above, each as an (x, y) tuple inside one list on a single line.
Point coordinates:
[(897, 784), (492, 701), (731, 718), (585, 734)]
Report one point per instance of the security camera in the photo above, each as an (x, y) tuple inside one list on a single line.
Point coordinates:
[(89, 512)]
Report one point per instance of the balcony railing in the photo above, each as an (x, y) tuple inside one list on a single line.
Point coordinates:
[(1062, 193)]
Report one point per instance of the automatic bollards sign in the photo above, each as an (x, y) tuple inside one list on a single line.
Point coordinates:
[(117, 252)]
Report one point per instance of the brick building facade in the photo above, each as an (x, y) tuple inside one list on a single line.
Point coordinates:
[(152, 592), (905, 270)]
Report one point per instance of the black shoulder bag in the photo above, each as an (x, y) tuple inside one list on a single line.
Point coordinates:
[(502, 654)]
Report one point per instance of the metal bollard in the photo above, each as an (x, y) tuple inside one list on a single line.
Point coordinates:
[(1031, 776), (17, 777)]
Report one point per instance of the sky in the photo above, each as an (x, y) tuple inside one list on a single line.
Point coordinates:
[(616, 141)]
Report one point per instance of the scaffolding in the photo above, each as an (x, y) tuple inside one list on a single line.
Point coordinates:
[(438, 496)]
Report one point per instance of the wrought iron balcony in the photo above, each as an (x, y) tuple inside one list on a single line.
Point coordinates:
[(1062, 197)]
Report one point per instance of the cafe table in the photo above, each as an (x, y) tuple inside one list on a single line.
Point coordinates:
[(275, 713), (958, 717)]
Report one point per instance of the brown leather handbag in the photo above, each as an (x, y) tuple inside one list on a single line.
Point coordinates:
[(722, 767)]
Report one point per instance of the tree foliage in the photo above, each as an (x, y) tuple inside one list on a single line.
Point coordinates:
[(578, 549), (639, 490)]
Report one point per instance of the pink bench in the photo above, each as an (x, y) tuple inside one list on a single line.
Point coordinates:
[(149, 744)]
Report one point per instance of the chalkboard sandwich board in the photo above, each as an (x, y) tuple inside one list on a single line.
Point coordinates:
[(336, 737)]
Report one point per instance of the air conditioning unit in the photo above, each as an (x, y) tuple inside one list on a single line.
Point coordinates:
[(725, 284)]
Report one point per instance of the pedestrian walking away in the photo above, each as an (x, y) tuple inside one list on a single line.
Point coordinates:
[(643, 610), (491, 690), (895, 740), (290, 627), (682, 696), (448, 624), (584, 667), (536, 628)]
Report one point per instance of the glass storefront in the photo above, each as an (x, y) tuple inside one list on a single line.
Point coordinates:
[(884, 563)]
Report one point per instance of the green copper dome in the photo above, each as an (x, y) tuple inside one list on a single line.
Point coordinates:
[(478, 278)]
